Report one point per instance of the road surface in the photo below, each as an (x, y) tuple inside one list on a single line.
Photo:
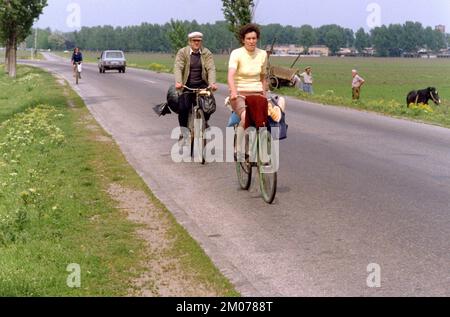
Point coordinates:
[(355, 189)]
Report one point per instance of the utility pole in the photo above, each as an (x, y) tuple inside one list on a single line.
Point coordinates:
[(35, 42)]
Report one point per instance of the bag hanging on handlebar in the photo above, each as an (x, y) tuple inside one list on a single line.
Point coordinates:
[(279, 130), (80, 68), (208, 104)]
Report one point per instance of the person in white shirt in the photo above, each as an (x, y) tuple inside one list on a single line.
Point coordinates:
[(307, 80), (357, 83)]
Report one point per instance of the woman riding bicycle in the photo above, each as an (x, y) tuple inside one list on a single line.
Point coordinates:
[(247, 83), (77, 58), (247, 70), (247, 74)]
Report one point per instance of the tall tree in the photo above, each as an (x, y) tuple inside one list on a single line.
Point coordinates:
[(362, 40), (307, 37), (380, 40), (394, 40), (238, 13), (413, 36), (16, 20), (57, 41), (177, 35)]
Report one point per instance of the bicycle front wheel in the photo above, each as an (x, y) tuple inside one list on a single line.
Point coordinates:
[(267, 168), (243, 170), (197, 125)]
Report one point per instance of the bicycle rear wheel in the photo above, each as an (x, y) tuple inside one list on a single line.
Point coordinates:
[(77, 76), (268, 176)]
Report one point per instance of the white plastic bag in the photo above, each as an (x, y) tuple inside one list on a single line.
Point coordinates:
[(79, 68)]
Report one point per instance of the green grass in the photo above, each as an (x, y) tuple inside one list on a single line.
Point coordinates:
[(49, 194), (388, 81), (54, 208)]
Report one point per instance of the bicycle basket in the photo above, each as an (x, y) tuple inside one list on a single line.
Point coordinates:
[(208, 104)]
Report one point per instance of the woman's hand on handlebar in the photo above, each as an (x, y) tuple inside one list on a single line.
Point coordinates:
[(179, 86), (233, 95)]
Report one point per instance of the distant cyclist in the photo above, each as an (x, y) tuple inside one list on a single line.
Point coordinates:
[(194, 68), (77, 57)]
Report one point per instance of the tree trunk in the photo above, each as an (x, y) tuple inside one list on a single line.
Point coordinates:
[(13, 57), (7, 49)]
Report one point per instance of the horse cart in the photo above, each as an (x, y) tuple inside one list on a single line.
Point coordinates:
[(282, 76)]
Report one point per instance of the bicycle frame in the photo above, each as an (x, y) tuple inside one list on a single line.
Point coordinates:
[(77, 72), (267, 164), (196, 113)]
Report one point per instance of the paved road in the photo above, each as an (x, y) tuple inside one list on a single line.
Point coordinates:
[(354, 188)]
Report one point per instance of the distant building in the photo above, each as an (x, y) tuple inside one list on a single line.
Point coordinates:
[(285, 50), (368, 52), (346, 51), (444, 53), (440, 28), (293, 50), (321, 50)]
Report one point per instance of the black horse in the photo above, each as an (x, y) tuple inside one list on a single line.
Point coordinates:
[(423, 96)]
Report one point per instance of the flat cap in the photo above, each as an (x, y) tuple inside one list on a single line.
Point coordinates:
[(195, 35)]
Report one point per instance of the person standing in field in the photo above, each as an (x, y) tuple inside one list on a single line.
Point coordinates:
[(307, 80), (357, 83)]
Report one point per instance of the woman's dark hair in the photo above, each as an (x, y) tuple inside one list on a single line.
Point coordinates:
[(75, 49), (249, 28)]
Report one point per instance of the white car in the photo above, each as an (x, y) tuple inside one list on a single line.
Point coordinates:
[(112, 60)]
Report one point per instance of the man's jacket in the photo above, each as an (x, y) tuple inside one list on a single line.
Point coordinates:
[(183, 65)]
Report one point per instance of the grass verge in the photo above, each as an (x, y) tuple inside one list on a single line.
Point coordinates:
[(56, 165)]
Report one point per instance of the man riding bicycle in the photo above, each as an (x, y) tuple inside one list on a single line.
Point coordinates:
[(77, 58), (194, 68)]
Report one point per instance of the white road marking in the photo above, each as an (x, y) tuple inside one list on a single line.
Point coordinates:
[(150, 81)]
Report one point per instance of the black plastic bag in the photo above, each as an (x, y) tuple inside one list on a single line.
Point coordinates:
[(162, 109), (208, 104)]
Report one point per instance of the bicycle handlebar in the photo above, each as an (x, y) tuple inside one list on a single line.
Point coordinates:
[(197, 89)]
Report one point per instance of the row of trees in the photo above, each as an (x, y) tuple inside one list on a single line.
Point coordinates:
[(390, 40), (395, 39)]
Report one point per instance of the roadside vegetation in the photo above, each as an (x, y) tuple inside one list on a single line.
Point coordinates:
[(65, 193), (21, 54)]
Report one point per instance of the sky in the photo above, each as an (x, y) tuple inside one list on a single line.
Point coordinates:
[(69, 15)]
